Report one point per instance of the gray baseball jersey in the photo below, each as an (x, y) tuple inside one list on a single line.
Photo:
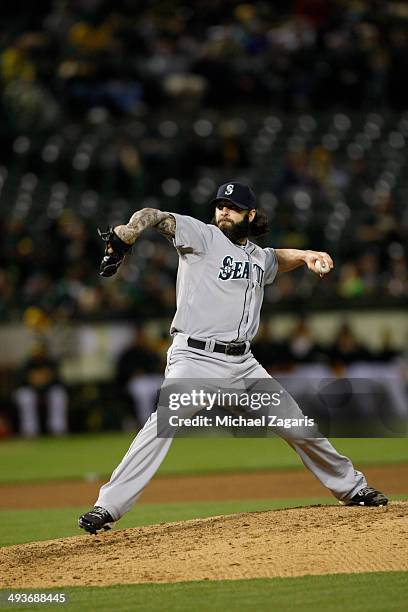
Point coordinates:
[(220, 288), (220, 285)]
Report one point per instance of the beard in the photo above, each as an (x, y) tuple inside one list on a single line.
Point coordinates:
[(234, 231)]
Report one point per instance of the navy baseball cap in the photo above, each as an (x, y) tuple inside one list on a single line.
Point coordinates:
[(237, 193)]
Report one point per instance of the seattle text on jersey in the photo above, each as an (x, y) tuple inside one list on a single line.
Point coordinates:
[(232, 269)]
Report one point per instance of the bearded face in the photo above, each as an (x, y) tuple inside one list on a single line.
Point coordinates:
[(232, 221), (234, 230)]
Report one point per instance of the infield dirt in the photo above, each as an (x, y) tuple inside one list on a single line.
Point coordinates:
[(274, 484), (290, 542)]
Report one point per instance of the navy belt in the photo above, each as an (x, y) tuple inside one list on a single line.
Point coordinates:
[(233, 348)]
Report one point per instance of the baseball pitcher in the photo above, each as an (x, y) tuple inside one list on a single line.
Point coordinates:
[(220, 285)]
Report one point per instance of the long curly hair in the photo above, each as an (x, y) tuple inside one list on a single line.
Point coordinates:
[(259, 226)]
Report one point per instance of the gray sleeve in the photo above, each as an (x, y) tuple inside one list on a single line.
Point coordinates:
[(191, 235), (271, 265)]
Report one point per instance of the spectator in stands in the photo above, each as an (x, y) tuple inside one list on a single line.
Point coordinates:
[(308, 357), (302, 345), (350, 283), (138, 372), (272, 353), (347, 349), (387, 352), (40, 383)]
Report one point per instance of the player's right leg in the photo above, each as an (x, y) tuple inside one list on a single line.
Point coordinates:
[(146, 452), (128, 480)]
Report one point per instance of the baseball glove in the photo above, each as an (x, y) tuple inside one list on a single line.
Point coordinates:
[(115, 251)]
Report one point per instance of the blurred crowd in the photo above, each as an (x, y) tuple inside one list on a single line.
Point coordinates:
[(75, 55), (301, 347), (107, 107), (54, 268)]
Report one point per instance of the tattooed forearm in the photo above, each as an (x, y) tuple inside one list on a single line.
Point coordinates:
[(143, 219), (167, 227)]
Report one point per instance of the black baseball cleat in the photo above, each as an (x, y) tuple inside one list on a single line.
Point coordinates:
[(96, 519), (368, 497)]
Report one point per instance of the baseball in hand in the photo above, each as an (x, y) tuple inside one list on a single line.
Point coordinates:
[(321, 269)]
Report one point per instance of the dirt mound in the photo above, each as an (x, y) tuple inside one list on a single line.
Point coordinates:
[(292, 542)]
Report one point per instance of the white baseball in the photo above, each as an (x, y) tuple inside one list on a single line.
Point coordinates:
[(321, 269)]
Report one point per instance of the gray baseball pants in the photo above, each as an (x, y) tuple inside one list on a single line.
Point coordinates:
[(147, 450)]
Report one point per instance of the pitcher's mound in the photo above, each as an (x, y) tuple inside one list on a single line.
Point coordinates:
[(292, 542)]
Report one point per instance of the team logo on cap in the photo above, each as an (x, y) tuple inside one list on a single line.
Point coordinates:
[(229, 189)]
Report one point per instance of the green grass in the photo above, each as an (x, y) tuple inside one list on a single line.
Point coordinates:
[(19, 526), (90, 456), (368, 592)]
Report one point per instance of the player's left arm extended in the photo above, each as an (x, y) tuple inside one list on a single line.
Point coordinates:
[(290, 259)]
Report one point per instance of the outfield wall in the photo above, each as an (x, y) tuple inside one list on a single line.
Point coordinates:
[(88, 351)]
